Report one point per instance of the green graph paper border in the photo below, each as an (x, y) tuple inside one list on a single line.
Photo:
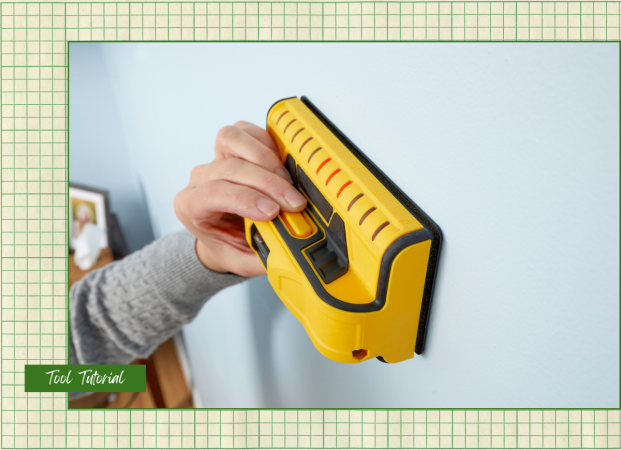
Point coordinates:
[(34, 187)]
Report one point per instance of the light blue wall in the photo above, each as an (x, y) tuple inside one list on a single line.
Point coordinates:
[(99, 155), (512, 149)]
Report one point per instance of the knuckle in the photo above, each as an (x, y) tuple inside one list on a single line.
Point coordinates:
[(178, 204), (209, 188), (241, 202), (225, 134), (226, 169), (267, 158), (203, 173), (195, 172), (239, 198), (272, 181), (241, 124)]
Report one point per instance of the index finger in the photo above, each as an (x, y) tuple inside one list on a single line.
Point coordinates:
[(259, 134), (235, 142)]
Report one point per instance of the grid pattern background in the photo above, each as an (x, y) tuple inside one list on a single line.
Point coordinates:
[(34, 136)]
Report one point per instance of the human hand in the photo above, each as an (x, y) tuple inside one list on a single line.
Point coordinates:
[(246, 179)]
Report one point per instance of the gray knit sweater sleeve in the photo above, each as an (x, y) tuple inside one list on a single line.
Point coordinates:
[(124, 310)]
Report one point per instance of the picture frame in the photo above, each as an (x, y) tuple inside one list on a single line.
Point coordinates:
[(88, 204)]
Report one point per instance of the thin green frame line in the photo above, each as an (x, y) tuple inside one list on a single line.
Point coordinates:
[(15, 245), (310, 2)]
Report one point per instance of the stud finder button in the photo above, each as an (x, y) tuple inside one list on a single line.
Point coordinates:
[(297, 224)]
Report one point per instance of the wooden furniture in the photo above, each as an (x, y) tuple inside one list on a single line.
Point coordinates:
[(166, 384), (75, 273)]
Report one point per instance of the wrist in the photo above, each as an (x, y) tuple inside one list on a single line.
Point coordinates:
[(206, 257)]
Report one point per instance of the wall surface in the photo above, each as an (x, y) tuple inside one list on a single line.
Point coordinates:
[(512, 149), (99, 156)]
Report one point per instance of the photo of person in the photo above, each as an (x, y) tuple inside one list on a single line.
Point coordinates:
[(88, 206), (83, 213)]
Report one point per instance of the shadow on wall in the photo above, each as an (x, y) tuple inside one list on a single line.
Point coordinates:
[(265, 307), (293, 374)]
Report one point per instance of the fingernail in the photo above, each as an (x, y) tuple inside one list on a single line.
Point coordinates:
[(267, 207), (283, 173), (294, 198)]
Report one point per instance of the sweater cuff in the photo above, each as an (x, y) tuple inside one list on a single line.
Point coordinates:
[(188, 280)]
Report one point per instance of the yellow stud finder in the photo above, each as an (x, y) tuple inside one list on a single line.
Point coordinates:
[(357, 267)]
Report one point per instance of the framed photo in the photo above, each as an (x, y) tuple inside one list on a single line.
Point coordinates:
[(88, 205)]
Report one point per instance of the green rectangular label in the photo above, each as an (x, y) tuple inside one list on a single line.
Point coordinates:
[(86, 378)]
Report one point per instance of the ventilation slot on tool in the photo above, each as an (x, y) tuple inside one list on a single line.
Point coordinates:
[(380, 228), (326, 161), (296, 133), (356, 198), (281, 116), (342, 187), (331, 175), (305, 142), (288, 125), (313, 154), (366, 214)]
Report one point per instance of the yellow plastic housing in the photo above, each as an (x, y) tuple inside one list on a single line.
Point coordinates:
[(373, 220)]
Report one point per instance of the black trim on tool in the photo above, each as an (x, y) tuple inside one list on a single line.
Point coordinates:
[(321, 203), (290, 166), (330, 257), (384, 274), (259, 245), (419, 214), (335, 234)]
